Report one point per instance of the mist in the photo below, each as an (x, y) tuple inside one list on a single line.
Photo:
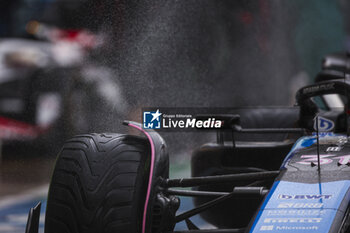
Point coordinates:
[(197, 53), (203, 54)]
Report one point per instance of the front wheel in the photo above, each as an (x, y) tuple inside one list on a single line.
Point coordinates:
[(99, 185)]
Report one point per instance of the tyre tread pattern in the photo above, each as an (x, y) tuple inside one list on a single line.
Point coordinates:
[(98, 185)]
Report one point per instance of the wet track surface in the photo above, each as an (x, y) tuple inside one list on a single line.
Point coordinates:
[(14, 210), (24, 179)]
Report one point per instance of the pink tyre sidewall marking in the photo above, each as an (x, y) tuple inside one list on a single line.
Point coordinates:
[(150, 176)]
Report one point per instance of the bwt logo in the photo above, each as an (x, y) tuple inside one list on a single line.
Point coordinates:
[(304, 197), (324, 124), (152, 120)]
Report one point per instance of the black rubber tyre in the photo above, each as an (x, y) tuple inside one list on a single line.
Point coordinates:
[(99, 185)]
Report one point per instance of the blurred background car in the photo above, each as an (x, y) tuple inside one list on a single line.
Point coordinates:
[(51, 88)]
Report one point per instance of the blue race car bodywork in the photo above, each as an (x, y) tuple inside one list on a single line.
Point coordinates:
[(305, 199)]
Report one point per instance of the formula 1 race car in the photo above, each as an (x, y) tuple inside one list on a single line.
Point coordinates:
[(280, 170)]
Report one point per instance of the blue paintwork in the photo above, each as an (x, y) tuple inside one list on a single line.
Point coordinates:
[(304, 142), (298, 207), (300, 143)]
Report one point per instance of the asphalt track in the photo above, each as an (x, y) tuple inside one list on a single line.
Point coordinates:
[(14, 210)]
